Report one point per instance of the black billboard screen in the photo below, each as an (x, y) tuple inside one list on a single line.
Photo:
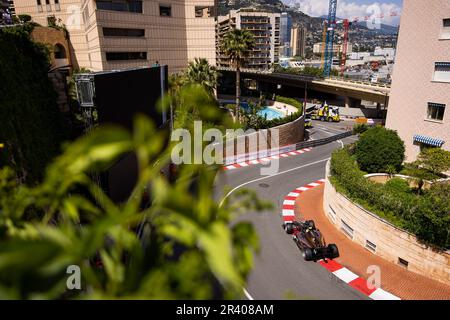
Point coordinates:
[(120, 95)]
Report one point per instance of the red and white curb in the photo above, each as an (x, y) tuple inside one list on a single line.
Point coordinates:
[(335, 268), (266, 159)]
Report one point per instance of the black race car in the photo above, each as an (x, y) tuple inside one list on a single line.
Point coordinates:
[(310, 241)]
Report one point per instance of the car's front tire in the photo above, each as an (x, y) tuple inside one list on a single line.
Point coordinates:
[(333, 251), (308, 254)]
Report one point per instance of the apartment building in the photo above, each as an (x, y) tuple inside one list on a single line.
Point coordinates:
[(265, 28), (337, 48), (119, 34), (298, 41), (285, 35), (420, 93)]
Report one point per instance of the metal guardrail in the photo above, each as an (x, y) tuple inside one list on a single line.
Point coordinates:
[(320, 142)]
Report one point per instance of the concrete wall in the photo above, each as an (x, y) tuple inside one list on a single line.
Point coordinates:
[(391, 242), (263, 140)]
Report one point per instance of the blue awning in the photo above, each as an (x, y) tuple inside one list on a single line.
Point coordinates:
[(428, 140)]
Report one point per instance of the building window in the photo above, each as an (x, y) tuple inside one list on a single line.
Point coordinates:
[(115, 56), (120, 5), (435, 111), (59, 52), (442, 72), (57, 6), (445, 33), (47, 5), (203, 11), (165, 10), (39, 5), (123, 32)]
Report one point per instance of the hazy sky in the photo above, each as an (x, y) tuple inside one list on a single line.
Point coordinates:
[(352, 8)]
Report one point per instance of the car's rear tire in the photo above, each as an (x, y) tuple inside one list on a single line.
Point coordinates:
[(333, 250), (289, 228), (308, 254)]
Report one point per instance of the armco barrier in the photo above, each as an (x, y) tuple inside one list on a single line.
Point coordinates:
[(320, 142)]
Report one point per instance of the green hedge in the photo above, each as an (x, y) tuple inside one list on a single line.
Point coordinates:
[(291, 101), (427, 216)]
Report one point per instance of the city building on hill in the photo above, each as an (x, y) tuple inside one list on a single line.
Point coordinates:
[(337, 48), (265, 28), (285, 34), (298, 41), (119, 34), (420, 96)]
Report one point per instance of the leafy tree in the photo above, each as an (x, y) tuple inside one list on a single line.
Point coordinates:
[(436, 160), (180, 246), (379, 148), (251, 117), (201, 72), (237, 44)]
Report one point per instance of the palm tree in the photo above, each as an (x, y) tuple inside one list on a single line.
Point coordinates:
[(201, 72), (236, 45)]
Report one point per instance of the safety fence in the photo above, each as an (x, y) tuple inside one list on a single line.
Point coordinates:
[(319, 142)]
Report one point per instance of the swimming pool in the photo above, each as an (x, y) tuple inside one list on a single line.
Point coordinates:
[(271, 113)]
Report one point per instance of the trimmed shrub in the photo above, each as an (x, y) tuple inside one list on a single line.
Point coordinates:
[(360, 128), (379, 148)]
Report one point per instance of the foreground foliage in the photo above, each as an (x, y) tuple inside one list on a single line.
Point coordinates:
[(427, 215), (175, 243)]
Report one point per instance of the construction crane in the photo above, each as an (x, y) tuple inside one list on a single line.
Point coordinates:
[(331, 22), (324, 36), (328, 35), (346, 24)]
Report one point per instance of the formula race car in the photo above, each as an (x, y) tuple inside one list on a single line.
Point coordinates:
[(310, 241)]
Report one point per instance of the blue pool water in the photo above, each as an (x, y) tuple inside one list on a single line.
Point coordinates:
[(270, 113)]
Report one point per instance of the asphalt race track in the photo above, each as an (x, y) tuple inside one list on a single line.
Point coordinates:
[(280, 271)]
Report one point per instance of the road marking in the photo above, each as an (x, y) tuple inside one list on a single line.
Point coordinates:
[(273, 175), (345, 275), (249, 297), (380, 294)]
